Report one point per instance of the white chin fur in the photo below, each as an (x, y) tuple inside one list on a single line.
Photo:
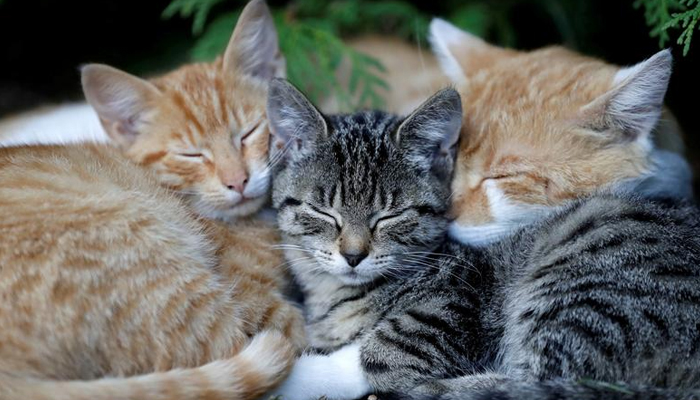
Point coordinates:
[(481, 235), (508, 216)]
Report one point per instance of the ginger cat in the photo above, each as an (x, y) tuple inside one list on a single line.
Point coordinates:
[(546, 126), (112, 287), (201, 127)]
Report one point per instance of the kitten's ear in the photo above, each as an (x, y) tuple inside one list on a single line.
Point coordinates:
[(461, 53), (631, 109), (254, 49), (429, 136), (122, 101), (295, 123)]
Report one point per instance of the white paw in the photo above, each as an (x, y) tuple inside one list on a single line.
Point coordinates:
[(337, 376)]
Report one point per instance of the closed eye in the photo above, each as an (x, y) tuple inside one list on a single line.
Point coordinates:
[(501, 176), (249, 132), (326, 216), (192, 155), (385, 218)]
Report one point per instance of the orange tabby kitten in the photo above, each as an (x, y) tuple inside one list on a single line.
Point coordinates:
[(546, 126), (202, 127), (105, 275)]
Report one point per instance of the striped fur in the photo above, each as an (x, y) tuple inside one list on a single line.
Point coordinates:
[(201, 127), (112, 289), (605, 288)]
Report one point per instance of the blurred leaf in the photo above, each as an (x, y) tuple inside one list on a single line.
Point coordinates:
[(197, 9), (313, 54), (310, 32), (214, 40), (474, 18)]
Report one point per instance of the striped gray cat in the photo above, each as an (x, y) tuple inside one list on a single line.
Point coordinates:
[(606, 289)]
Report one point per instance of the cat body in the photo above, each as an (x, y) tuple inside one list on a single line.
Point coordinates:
[(394, 307), (595, 292), (115, 284), (105, 274)]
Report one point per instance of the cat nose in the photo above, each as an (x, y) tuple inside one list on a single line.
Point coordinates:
[(354, 259), (236, 182)]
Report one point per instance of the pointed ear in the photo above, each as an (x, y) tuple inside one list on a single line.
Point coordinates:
[(253, 49), (460, 53), (295, 123), (430, 134), (631, 109), (122, 101)]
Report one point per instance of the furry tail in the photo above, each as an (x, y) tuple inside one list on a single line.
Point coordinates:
[(546, 390), (262, 364)]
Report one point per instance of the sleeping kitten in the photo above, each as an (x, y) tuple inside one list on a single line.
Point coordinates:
[(549, 125), (112, 289), (606, 288), (201, 128)]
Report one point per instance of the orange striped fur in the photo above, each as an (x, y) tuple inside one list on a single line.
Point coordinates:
[(104, 274), (538, 129), (202, 128), (111, 286)]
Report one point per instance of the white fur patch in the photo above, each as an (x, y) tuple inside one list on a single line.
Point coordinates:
[(444, 38), (480, 235), (508, 216), (337, 376), (72, 123)]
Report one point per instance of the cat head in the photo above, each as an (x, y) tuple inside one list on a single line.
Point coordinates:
[(543, 127), (202, 128), (355, 192)]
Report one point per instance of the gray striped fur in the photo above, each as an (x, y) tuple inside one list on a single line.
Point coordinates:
[(607, 288)]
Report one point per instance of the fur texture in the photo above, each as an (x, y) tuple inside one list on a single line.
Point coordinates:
[(201, 128), (104, 274), (605, 287), (550, 125)]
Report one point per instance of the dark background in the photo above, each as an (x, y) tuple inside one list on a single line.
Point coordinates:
[(43, 42)]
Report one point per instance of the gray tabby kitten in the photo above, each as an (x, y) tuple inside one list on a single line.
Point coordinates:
[(606, 289)]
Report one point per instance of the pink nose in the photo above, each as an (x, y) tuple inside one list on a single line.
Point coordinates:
[(235, 182)]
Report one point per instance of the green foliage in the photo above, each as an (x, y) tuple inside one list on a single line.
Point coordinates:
[(663, 15), (197, 9), (310, 32)]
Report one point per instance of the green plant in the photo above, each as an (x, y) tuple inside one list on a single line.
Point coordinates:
[(310, 32), (663, 15), (309, 37)]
